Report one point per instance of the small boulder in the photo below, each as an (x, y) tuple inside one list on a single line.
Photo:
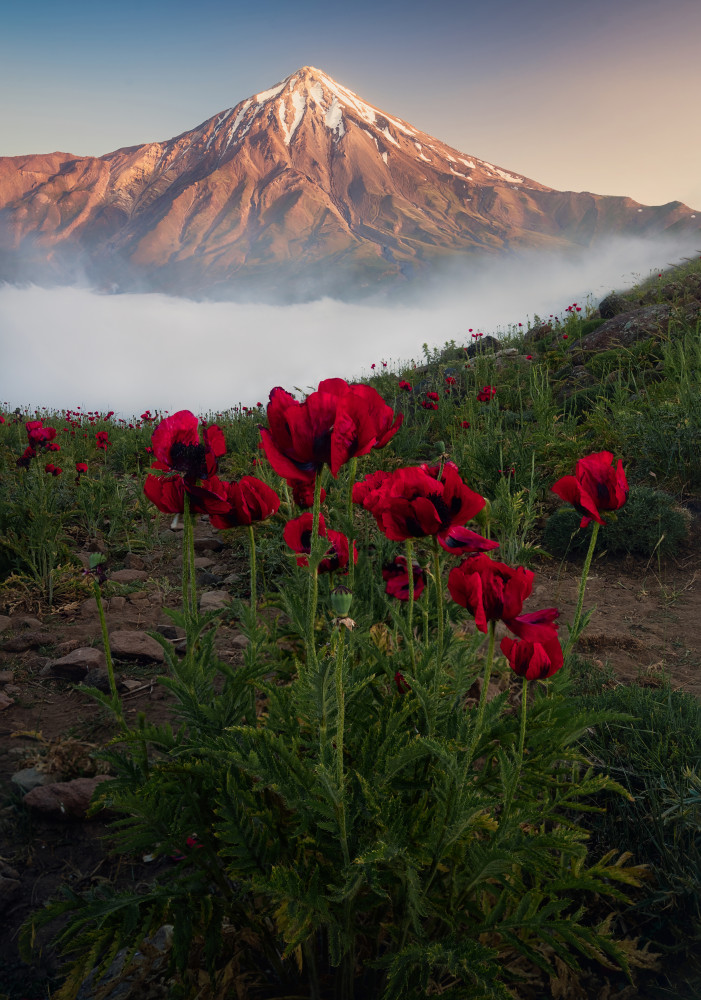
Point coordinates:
[(129, 576), (132, 645), (6, 676), (75, 665), (25, 621), (208, 544), (132, 561), (26, 640), (5, 623), (5, 701), (625, 329), (485, 345), (29, 778), (212, 600), (98, 678), (612, 305), (64, 799)]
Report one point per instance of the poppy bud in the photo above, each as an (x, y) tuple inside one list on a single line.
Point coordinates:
[(341, 598)]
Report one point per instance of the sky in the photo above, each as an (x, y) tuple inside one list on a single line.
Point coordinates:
[(595, 96)]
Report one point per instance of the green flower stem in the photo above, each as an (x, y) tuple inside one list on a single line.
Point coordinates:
[(116, 701), (191, 568), (439, 597), (410, 607), (313, 589), (522, 733), (485, 683), (349, 513), (252, 558), (340, 723), (574, 631)]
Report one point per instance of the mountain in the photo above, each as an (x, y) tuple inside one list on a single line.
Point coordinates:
[(303, 187)]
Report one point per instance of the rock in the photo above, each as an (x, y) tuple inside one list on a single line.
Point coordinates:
[(240, 641), (205, 579), (64, 799), (612, 305), (212, 600), (129, 684), (24, 621), (625, 329), (25, 641), (6, 676), (117, 603), (132, 645), (485, 345), (129, 576), (168, 631), (88, 608), (5, 702), (211, 544), (9, 888), (132, 561), (13, 691), (97, 545), (75, 665), (203, 562), (98, 678), (231, 578), (138, 597), (5, 623), (30, 777), (537, 333), (84, 559), (66, 647)]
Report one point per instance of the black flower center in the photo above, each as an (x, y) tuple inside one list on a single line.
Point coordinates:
[(189, 458)]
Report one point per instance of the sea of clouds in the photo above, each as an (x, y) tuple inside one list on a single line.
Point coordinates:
[(68, 346)]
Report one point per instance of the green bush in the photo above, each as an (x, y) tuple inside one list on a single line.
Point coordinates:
[(649, 522), (657, 760)]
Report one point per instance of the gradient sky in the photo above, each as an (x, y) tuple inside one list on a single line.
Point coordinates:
[(600, 96)]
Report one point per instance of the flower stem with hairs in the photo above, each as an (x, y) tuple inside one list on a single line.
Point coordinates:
[(576, 629), (410, 607)]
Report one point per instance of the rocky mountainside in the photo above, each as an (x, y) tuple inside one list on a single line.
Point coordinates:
[(303, 187)]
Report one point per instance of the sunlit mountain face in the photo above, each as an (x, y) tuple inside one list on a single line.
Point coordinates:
[(300, 190)]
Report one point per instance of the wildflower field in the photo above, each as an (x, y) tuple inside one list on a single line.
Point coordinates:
[(389, 691)]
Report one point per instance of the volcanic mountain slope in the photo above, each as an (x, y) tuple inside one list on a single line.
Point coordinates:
[(304, 185)]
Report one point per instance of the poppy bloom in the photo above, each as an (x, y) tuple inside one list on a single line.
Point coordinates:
[(596, 485), (405, 386), (494, 591), (428, 405), (425, 500), (166, 492), (465, 424), (298, 535), (101, 440), (81, 468), (533, 660), (303, 493), (177, 445), (366, 490), (396, 577), (25, 458), (334, 424), (433, 395), (54, 470), (486, 393), (39, 436), (232, 504)]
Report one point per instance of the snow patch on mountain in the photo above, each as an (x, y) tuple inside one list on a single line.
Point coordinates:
[(299, 104), (266, 95), (334, 118)]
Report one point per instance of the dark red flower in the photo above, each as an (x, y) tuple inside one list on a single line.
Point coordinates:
[(54, 470), (428, 405), (465, 424), (166, 492), (53, 446), (450, 380), (414, 502), (405, 386), (178, 447), (533, 660), (402, 685), (81, 468), (232, 504), (460, 541), (397, 579), (39, 436), (303, 493), (486, 393), (433, 395), (101, 440), (298, 535), (596, 485), (494, 591), (366, 490), (25, 458)]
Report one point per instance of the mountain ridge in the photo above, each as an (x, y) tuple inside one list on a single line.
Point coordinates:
[(304, 185)]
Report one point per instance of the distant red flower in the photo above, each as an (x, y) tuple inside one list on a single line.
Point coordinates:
[(298, 535), (396, 577), (433, 395), (25, 458), (2, 419), (54, 470), (529, 357), (102, 440), (533, 660), (53, 446), (332, 425), (181, 445), (450, 380), (39, 436), (465, 424), (402, 685), (405, 386), (81, 468), (595, 486), (565, 336), (494, 591), (486, 393), (428, 405)]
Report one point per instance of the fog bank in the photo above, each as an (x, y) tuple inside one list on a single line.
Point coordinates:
[(69, 346)]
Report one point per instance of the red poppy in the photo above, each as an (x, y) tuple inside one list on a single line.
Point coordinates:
[(177, 446), (81, 468), (465, 424), (420, 501), (428, 405), (25, 458), (405, 386), (596, 485), (298, 535), (494, 591), (486, 393), (232, 504), (53, 446), (332, 425), (303, 493), (166, 492), (397, 579), (39, 435), (366, 490), (101, 440), (533, 660), (402, 685)]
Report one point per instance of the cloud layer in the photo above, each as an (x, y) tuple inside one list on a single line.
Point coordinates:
[(69, 346)]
